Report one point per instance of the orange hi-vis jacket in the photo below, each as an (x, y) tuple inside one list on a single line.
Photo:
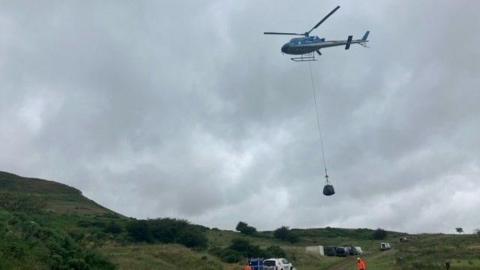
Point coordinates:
[(361, 265), (247, 267)]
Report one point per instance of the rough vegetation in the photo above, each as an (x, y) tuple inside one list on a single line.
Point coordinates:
[(244, 228), (379, 234), (285, 234), (46, 225)]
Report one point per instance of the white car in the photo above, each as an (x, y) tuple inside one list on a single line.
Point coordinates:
[(277, 264), (385, 246)]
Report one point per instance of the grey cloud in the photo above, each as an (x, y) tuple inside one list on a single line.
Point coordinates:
[(185, 109)]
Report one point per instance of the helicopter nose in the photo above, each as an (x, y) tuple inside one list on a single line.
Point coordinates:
[(285, 48)]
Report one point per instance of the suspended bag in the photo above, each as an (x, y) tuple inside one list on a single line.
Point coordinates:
[(328, 190)]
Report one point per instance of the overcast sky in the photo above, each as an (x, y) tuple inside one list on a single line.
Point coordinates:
[(185, 109)]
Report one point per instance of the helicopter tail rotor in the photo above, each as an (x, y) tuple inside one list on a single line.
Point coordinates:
[(365, 36), (349, 42)]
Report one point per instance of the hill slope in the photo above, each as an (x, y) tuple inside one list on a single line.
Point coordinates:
[(42, 194)]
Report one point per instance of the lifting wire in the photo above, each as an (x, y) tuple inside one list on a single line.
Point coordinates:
[(318, 121)]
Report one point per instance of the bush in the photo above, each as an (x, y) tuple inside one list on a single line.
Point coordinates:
[(379, 234), (246, 249), (242, 248), (98, 261), (168, 231), (230, 256), (193, 238), (26, 244), (285, 234), (275, 252), (244, 228), (238, 249), (139, 231), (113, 228)]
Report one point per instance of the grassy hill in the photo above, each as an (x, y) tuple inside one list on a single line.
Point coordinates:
[(48, 225), (20, 193)]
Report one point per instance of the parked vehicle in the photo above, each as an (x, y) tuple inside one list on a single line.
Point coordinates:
[(315, 250), (256, 263), (352, 251), (277, 264), (341, 252), (330, 251), (358, 250), (385, 246)]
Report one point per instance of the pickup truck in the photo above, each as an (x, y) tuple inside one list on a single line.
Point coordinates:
[(277, 264)]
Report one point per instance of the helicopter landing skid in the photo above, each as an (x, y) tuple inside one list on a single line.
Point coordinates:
[(304, 58)]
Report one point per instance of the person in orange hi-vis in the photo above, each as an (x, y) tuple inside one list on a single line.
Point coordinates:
[(361, 264), (247, 267)]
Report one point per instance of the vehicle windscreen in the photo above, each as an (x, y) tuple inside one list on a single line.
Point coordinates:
[(269, 263)]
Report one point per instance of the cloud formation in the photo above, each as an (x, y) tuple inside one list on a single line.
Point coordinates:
[(185, 109)]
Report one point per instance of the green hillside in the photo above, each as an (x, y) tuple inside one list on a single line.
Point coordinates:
[(48, 225), (20, 193)]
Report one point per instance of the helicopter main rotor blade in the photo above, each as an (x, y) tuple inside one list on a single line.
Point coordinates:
[(324, 19), (281, 33)]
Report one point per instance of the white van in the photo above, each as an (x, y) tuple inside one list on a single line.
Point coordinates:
[(358, 250), (385, 246), (277, 264)]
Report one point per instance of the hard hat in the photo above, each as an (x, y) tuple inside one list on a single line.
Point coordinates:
[(358, 258)]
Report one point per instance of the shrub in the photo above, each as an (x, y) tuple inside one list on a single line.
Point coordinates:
[(230, 256), (139, 231), (78, 264), (193, 238), (76, 234), (244, 228), (379, 234), (167, 230), (113, 228), (275, 251), (238, 249), (98, 261), (285, 234), (242, 248), (245, 248), (26, 244)]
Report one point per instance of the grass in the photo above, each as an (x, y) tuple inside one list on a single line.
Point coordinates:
[(21, 193), (160, 257)]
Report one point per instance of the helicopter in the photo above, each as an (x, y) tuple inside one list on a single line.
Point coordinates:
[(307, 45)]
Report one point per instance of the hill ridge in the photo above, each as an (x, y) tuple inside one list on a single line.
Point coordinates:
[(17, 183), (45, 194)]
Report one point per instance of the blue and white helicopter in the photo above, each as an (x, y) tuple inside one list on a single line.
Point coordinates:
[(307, 46)]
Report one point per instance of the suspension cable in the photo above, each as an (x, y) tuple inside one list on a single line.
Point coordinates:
[(320, 134)]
